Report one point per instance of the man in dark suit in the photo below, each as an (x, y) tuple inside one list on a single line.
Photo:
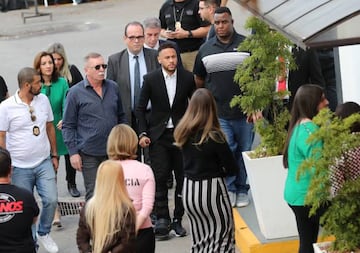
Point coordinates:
[(308, 71), (121, 67), (168, 89)]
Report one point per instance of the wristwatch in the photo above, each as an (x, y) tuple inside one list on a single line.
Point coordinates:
[(190, 35)]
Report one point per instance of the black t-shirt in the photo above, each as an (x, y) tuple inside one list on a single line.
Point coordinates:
[(3, 89), (17, 211), (187, 14)]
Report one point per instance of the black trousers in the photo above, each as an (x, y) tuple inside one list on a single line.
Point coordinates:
[(165, 157), (145, 240), (308, 227), (70, 171)]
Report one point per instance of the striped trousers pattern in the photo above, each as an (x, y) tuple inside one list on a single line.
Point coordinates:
[(208, 208)]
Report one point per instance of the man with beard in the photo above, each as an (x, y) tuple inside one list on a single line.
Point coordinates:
[(27, 131), (168, 89), (93, 107)]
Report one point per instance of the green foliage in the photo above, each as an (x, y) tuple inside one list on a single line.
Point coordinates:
[(343, 217), (257, 76)]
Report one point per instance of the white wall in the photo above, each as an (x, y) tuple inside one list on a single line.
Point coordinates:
[(349, 57)]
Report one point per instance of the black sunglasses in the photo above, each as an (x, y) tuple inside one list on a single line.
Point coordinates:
[(97, 67)]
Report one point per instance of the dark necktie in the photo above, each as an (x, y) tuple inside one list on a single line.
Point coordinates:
[(136, 80)]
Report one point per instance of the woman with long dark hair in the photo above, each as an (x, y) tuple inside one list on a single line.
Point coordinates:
[(207, 161), (308, 101)]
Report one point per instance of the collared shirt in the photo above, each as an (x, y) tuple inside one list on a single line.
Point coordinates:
[(143, 70), (155, 48), (189, 18), (26, 140), (89, 118), (170, 81)]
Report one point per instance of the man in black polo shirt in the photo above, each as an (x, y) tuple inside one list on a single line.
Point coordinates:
[(181, 23), (18, 212), (215, 67)]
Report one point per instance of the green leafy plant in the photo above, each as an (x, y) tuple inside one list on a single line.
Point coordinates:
[(342, 219), (257, 77)]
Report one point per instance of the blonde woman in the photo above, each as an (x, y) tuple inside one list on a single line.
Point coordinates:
[(107, 223), (139, 179), (69, 71), (207, 161)]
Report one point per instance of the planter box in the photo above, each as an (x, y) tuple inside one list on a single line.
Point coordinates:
[(321, 247), (267, 179)]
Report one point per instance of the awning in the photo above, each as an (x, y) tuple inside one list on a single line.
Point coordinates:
[(311, 23)]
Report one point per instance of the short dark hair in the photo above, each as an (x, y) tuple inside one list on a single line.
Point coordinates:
[(347, 109), (5, 162), (166, 45), (222, 10), (212, 2), (26, 75), (134, 23)]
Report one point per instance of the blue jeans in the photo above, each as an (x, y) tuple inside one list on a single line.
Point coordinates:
[(240, 136), (43, 177)]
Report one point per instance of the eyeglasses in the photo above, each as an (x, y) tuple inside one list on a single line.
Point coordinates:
[(32, 116), (134, 38), (97, 67)]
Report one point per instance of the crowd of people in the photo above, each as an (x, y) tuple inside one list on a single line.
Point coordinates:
[(158, 108)]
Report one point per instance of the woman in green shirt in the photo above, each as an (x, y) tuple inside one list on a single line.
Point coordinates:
[(308, 101), (55, 88)]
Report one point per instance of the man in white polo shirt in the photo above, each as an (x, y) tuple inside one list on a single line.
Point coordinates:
[(26, 130)]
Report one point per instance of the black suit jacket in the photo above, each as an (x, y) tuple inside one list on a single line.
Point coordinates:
[(118, 71), (154, 89), (308, 71)]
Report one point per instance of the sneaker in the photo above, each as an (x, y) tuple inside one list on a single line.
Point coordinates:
[(178, 228), (232, 198), (48, 243), (162, 229), (57, 224), (242, 200)]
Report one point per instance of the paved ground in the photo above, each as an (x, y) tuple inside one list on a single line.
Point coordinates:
[(96, 26)]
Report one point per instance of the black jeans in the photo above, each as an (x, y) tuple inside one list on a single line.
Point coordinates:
[(70, 171), (308, 227), (165, 157)]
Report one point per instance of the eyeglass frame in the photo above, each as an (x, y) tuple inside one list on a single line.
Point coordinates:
[(97, 67), (134, 38)]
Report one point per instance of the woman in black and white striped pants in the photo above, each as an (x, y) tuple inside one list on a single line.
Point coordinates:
[(207, 205), (207, 161)]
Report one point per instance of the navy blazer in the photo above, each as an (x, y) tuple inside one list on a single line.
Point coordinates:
[(154, 89), (118, 71)]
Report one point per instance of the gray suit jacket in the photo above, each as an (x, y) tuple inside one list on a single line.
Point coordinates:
[(118, 70)]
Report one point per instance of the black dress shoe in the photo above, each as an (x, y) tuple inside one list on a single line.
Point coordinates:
[(73, 190), (162, 229)]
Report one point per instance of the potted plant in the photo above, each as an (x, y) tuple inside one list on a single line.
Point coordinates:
[(342, 218), (269, 61)]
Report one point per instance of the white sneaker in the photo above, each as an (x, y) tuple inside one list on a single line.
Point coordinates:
[(242, 200), (232, 198), (48, 243)]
